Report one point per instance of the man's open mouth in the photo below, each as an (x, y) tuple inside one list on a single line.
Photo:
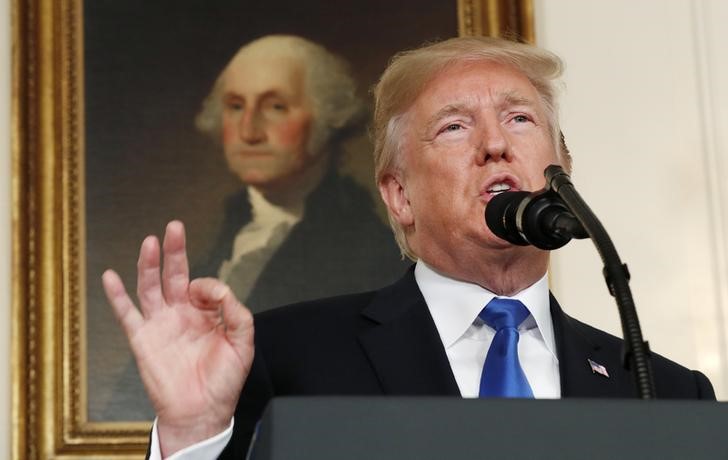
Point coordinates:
[(499, 187)]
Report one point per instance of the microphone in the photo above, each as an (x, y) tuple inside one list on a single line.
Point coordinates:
[(540, 218), (547, 219)]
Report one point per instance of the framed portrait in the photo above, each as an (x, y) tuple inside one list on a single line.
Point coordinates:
[(106, 151)]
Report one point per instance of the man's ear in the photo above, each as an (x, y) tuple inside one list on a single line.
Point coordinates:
[(394, 195)]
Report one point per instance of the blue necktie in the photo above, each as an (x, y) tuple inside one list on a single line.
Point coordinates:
[(502, 375)]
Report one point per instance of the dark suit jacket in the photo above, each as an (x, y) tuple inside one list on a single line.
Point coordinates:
[(339, 246), (386, 343)]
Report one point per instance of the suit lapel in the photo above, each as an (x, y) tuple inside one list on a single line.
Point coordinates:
[(403, 345), (576, 345)]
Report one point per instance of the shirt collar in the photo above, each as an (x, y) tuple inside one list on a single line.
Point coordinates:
[(454, 304)]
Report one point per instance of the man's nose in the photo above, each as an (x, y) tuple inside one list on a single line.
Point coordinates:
[(251, 128), (494, 145)]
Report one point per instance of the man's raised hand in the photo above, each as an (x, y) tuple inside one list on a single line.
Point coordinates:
[(193, 341)]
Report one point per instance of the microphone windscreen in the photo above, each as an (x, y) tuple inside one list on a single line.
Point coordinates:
[(500, 216)]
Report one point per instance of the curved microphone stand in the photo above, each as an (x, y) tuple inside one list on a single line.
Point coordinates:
[(636, 354)]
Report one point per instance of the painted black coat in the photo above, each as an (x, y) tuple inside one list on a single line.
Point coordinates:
[(340, 246)]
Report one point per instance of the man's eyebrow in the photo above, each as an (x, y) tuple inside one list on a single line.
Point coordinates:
[(273, 92), (227, 94), (448, 110), (511, 98)]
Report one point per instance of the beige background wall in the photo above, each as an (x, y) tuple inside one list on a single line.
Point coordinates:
[(644, 113), (645, 117)]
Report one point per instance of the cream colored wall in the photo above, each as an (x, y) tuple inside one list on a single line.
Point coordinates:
[(4, 229), (645, 115)]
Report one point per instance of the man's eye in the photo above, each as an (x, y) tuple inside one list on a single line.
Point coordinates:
[(520, 119), (453, 127), (276, 106), (234, 106)]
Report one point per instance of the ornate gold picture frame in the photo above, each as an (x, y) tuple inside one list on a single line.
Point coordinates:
[(50, 365)]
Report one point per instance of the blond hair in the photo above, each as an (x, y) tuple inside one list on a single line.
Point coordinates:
[(410, 71)]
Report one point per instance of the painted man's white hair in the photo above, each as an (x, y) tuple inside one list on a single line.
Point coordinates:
[(328, 83)]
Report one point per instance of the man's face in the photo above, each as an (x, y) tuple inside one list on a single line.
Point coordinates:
[(266, 120), (476, 129)]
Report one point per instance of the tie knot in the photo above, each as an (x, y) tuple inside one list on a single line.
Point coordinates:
[(504, 313)]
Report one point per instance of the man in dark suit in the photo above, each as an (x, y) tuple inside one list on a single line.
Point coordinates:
[(297, 230), (456, 123)]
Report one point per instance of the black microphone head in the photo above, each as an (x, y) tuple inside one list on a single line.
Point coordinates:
[(537, 220), (500, 216), (524, 218)]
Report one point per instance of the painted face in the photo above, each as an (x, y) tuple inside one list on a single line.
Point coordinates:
[(266, 120), (477, 129)]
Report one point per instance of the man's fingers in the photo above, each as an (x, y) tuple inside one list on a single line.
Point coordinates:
[(127, 314), (207, 293), (213, 295), (175, 274), (149, 287), (238, 322)]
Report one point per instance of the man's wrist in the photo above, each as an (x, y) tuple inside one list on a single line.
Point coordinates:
[(173, 438)]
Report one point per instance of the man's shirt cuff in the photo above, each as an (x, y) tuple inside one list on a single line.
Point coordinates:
[(209, 449)]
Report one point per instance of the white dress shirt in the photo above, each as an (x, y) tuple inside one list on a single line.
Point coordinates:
[(454, 306)]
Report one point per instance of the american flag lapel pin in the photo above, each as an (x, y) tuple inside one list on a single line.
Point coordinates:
[(597, 368)]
